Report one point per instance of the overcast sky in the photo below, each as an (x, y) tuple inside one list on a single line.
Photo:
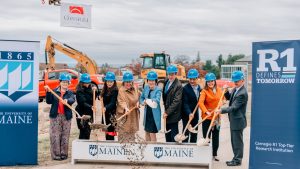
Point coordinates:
[(123, 29)]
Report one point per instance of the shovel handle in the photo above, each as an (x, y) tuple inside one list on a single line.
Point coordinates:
[(60, 99), (188, 123), (200, 122), (126, 113), (94, 105), (103, 113)]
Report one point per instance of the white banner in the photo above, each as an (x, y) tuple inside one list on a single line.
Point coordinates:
[(75, 15)]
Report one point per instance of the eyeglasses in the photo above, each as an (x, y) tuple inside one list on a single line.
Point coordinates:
[(64, 82)]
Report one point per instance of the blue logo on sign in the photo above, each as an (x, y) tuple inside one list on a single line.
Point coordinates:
[(16, 78), (158, 152), (93, 150)]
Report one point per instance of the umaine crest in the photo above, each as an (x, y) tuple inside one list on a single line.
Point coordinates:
[(93, 150), (16, 78), (158, 152)]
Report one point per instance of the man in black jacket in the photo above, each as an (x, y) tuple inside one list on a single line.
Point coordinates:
[(172, 95), (190, 97)]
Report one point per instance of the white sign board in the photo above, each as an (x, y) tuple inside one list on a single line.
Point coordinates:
[(75, 15), (151, 153)]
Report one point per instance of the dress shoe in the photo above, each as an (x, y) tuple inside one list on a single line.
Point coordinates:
[(63, 157), (234, 163), (57, 158), (215, 158)]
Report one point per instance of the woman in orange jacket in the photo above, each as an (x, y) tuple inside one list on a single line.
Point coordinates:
[(209, 100)]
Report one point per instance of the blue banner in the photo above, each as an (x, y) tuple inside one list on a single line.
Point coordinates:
[(18, 102), (275, 118)]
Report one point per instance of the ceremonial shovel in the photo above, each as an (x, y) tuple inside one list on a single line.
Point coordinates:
[(95, 125), (180, 137), (165, 127), (84, 117), (124, 115)]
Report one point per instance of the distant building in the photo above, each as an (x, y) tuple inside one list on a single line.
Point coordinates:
[(245, 65)]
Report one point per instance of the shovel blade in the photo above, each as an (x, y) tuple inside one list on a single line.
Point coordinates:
[(86, 117), (180, 137), (98, 126), (203, 142), (164, 131), (192, 129)]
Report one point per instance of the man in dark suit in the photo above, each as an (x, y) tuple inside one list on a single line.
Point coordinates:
[(238, 99), (191, 93), (172, 95)]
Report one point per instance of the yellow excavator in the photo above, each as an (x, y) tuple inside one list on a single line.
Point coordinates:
[(88, 63), (159, 63)]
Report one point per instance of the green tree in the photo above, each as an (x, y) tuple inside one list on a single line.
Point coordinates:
[(209, 67), (232, 58), (220, 61)]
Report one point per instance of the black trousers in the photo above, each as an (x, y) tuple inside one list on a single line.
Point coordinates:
[(237, 144), (109, 137), (174, 131), (192, 137), (215, 136), (84, 129)]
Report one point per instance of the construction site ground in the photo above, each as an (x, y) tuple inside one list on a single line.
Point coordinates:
[(45, 162)]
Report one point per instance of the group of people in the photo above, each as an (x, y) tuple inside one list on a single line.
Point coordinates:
[(179, 104)]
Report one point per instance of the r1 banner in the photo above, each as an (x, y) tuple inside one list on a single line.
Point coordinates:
[(275, 119), (18, 102)]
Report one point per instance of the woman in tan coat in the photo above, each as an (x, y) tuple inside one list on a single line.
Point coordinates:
[(128, 99)]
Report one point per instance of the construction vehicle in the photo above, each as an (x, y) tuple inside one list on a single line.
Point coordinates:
[(159, 63), (50, 75), (88, 63)]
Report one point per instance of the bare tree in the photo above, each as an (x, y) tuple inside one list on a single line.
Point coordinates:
[(182, 59)]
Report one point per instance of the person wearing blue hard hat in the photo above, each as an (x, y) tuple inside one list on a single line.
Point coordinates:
[(172, 97), (84, 97), (150, 97), (208, 102), (128, 102), (109, 96), (236, 110), (60, 117), (190, 97)]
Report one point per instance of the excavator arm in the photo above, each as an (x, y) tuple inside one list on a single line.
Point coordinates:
[(89, 64)]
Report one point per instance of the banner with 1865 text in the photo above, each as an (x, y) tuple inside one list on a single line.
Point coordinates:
[(18, 102), (275, 137)]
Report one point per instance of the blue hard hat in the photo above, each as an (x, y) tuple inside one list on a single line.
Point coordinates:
[(110, 76), (127, 77), (237, 76), (172, 69), (193, 74), (152, 75), (210, 77), (64, 77), (85, 78)]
